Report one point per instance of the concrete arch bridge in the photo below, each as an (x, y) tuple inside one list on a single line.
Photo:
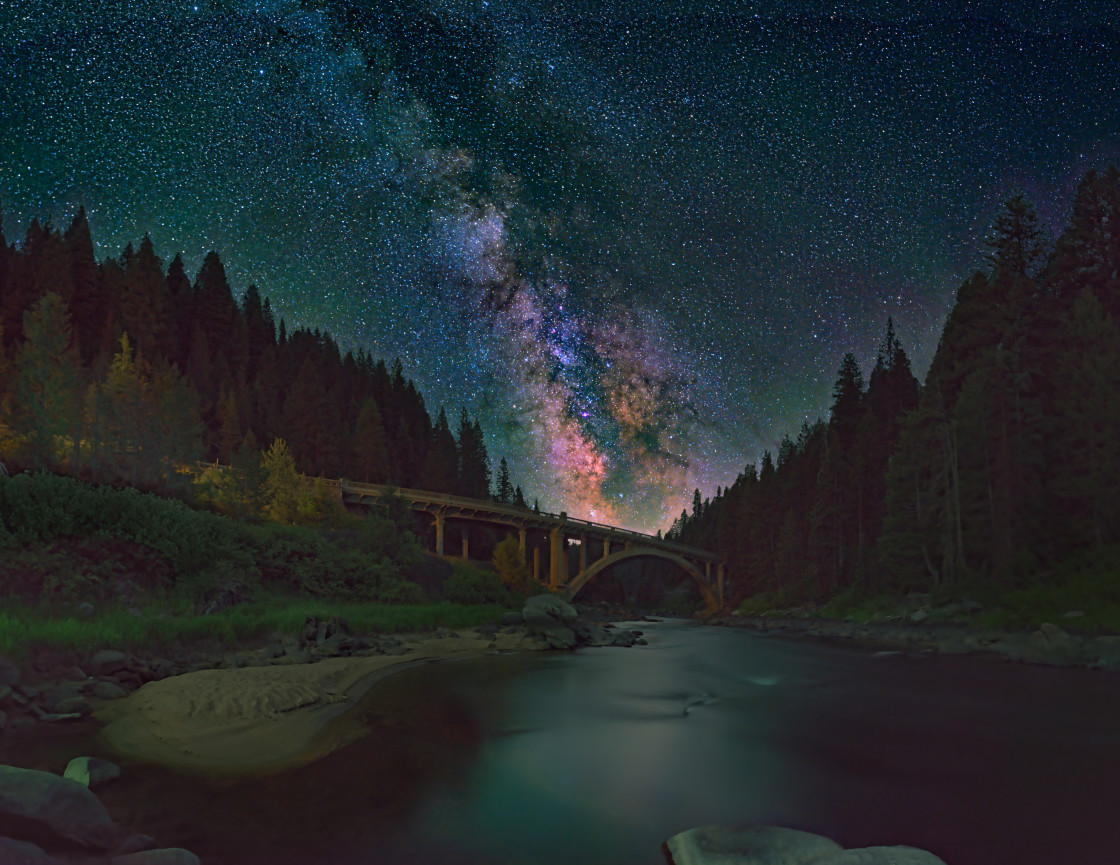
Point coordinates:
[(598, 546)]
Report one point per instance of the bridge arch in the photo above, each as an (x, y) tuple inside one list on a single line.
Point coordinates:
[(637, 552)]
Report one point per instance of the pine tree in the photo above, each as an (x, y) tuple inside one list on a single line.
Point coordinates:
[(46, 387), (438, 471), (474, 464), (126, 414), (1087, 445), (1015, 244), (371, 453), (87, 307), (504, 492), (282, 485), (144, 308)]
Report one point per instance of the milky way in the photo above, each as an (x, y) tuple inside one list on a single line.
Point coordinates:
[(634, 239)]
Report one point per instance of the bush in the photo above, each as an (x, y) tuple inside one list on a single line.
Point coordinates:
[(468, 585)]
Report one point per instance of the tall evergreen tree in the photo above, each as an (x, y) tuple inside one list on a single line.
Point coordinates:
[(46, 369), (371, 453), (504, 492)]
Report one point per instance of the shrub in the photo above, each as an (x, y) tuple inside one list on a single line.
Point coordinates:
[(468, 585)]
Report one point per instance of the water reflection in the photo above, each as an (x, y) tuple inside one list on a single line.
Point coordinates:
[(598, 756)]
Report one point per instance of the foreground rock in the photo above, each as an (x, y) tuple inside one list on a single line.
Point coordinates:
[(13, 852), (552, 623), (43, 808), (91, 771), (164, 856), (758, 845), (775, 845)]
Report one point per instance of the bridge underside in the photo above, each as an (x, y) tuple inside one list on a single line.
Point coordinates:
[(711, 591)]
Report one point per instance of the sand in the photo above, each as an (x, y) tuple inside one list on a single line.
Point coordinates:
[(253, 721)]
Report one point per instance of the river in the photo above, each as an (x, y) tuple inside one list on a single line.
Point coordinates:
[(598, 756)]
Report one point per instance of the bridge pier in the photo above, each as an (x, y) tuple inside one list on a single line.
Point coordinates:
[(537, 565), (466, 543), (439, 534), (521, 539), (606, 548), (557, 560), (582, 553)]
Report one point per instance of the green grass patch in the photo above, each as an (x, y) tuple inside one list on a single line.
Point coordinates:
[(25, 630)]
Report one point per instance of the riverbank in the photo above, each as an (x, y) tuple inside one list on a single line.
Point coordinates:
[(1050, 644)]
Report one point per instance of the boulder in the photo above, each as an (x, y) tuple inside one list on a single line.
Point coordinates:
[(108, 691), (1104, 650), (1051, 645), (543, 609), (758, 845), (511, 619), (54, 698), (91, 771), (559, 638), (334, 645), (85, 609), (135, 844), (108, 661), (881, 856), (13, 852), (5, 693), (42, 807), (163, 856), (487, 630), (75, 705)]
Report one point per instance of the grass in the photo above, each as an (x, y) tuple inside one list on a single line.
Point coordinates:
[(26, 630)]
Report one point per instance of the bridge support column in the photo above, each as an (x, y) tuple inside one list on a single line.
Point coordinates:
[(606, 548), (719, 583), (466, 543), (521, 540), (556, 557), (582, 553), (439, 534), (537, 565)]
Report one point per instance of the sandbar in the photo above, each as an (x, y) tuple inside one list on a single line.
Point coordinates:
[(254, 721)]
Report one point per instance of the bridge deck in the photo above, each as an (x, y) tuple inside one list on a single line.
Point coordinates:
[(511, 514)]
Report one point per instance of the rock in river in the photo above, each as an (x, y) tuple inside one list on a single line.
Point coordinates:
[(40, 807), (758, 845), (14, 852), (91, 771)]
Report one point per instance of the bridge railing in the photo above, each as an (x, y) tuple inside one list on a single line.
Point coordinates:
[(559, 520)]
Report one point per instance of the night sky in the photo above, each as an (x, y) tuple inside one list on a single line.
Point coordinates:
[(634, 238)]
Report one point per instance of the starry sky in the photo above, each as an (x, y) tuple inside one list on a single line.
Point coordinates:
[(635, 239)]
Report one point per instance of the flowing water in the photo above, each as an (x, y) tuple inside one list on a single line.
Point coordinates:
[(600, 755)]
